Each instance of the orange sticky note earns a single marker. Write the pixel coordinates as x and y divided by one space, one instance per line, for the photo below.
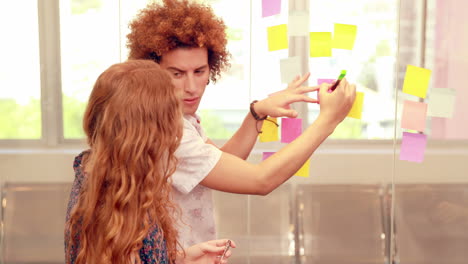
269 131
416 81
277 37
344 36
320 44
304 171
356 109
414 116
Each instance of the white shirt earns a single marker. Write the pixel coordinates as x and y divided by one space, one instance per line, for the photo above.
196 159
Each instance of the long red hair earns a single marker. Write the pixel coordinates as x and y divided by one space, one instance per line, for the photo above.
133 124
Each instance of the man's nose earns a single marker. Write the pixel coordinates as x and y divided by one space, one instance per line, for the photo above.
190 84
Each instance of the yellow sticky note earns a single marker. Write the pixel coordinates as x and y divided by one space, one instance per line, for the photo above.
320 44
277 37
269 131
356 109
416 81
304 170
344 36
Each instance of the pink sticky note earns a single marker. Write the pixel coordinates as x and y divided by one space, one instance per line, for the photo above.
291 128
271 7
414 116
413 147
266 155
330 81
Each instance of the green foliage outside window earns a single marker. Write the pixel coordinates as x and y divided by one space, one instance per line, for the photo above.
348 129
213 125
73 118
20 121
24 122
82 6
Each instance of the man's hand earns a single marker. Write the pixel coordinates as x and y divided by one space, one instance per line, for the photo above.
278 104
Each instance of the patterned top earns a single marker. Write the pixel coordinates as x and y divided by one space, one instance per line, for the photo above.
196 159
153 250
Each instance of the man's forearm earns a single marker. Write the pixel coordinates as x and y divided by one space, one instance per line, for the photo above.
242 142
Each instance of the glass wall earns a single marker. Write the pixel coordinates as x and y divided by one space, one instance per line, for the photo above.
364 202
430 199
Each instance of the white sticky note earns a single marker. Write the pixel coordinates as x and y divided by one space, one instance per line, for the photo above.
298 24
290 68
441 102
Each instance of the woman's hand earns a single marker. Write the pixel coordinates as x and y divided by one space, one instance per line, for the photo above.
278 104
206 253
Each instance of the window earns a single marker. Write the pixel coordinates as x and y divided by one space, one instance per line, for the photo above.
225 104
91 35
370 64
20 93
92 38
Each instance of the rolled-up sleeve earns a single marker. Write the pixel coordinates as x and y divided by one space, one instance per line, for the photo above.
195 159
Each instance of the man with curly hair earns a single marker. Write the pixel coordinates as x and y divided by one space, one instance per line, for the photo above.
189 41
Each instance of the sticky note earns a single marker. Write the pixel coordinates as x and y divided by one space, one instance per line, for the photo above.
413 146
344 36
290 68
266 155
291 128
298 24
277 37
320 44
329 81
356 109
304 170
269 131
414 115
271 7
441 102
416 81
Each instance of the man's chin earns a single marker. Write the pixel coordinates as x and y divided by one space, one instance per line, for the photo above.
189 111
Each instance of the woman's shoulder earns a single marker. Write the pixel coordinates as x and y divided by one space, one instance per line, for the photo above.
77 163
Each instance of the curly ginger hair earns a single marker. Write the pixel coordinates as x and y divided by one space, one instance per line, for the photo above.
131 126
158 29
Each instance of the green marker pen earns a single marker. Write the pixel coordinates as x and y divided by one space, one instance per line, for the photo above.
342 75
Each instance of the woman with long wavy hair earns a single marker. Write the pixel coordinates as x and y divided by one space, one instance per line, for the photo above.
120 209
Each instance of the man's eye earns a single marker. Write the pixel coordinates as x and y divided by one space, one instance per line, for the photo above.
177 74
199 72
